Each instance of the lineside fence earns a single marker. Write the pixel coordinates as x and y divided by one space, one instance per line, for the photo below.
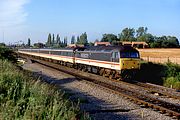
162 59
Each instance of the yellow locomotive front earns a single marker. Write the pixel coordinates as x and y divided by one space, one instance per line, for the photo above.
129 60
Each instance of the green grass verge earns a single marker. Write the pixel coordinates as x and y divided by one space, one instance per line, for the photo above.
163 74
23 98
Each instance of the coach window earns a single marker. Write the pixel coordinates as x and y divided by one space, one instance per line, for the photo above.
68 54
64 53
71 54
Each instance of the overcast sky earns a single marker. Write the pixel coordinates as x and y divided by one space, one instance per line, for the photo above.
23 19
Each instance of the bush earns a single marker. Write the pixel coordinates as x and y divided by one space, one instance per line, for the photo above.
8 54
163 74
172 69
23 98
172 82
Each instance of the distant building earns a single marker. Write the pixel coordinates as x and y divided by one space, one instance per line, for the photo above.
136 44
102 43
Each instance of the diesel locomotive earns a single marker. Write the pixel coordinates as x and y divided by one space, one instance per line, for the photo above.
115 62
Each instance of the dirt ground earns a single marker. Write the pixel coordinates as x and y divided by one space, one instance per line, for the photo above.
161 55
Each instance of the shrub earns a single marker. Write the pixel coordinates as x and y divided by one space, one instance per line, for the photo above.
164 74
7 53
172 82
23 98
172 69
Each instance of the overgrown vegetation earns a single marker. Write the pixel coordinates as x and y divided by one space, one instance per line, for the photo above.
163 74
22 97
6 53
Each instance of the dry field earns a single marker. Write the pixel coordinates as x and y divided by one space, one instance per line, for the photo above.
160 55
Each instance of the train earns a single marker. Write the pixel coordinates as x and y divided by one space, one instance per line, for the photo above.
115 62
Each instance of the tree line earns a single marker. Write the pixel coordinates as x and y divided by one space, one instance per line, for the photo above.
127 34
57 43
52 42
141 35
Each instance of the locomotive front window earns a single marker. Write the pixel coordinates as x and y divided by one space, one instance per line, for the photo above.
129 55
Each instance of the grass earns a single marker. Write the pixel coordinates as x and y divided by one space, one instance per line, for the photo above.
172 78
23 98
167 74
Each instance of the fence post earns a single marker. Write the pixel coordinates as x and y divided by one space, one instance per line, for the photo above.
168 60
160 59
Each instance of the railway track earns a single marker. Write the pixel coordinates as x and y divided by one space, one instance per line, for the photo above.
160 90
141 99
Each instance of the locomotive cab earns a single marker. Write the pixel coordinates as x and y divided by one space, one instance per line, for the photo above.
129 60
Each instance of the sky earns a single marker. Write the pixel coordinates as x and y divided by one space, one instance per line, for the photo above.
34 19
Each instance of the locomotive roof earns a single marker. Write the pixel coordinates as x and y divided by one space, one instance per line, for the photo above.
111 48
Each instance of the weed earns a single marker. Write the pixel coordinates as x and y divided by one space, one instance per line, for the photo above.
24 98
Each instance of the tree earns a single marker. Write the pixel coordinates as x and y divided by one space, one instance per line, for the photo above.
83 39
141 31
29 42
148 38
58 40
91 44
109 38
65 42
165 42
127 34
57 43
73 40
78 40
96 40
173 42
169 42
39 45
49 41
53 40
